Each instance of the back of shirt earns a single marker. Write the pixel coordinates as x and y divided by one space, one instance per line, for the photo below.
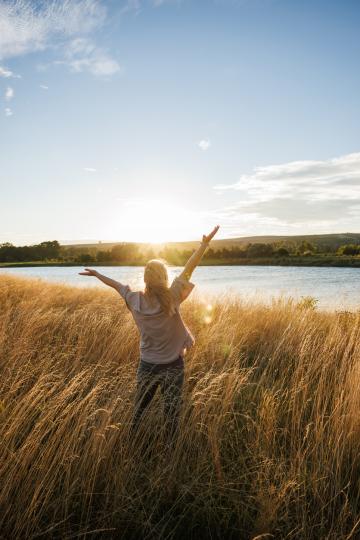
163 337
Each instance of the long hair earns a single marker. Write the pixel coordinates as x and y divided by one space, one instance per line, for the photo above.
156 284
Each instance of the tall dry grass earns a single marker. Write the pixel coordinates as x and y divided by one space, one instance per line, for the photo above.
270 432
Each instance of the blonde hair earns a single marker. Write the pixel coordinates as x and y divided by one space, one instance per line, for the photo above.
156 284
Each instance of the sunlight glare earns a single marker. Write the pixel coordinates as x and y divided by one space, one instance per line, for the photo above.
154 221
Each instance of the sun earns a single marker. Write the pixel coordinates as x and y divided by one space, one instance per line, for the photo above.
155 221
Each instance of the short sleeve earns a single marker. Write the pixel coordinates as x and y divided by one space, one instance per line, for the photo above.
131 297
180 289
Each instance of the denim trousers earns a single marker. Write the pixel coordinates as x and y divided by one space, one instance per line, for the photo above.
169 378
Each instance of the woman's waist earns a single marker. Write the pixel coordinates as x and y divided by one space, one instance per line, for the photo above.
178 362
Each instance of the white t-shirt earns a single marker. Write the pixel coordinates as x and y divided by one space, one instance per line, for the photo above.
162 337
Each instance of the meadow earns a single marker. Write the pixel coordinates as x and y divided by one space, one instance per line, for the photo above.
269 445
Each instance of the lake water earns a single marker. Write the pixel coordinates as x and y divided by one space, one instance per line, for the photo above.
337 288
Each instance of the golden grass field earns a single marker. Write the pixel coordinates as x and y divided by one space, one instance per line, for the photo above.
270 431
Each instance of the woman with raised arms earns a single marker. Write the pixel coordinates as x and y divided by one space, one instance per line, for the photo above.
164 338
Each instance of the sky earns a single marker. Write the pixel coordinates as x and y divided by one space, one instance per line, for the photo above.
154 120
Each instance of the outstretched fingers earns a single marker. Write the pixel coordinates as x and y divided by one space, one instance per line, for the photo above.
212 234
88 272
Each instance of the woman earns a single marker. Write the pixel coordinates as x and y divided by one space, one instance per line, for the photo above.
164 336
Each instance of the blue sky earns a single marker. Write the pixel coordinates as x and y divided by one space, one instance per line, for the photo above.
154 120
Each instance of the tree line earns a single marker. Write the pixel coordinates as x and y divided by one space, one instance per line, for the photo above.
49 250
127 252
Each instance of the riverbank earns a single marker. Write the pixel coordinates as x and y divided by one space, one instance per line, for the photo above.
270 436
316 261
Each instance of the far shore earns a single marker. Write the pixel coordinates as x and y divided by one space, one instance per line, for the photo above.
306 261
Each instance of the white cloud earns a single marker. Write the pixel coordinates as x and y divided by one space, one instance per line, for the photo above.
89 169
204 144
9 93
4 72
81 54
8 111
321 180
298 194
27 26
44 87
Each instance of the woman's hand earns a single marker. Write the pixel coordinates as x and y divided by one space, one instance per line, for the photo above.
89 272
207 238
197 255
108 281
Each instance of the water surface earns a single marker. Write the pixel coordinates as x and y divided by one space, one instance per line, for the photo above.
333 287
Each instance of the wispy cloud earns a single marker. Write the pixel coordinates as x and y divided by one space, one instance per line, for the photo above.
9 93
8 111
27 26
204 144
81 54
44 87
4 72
318 180
297 194
89 169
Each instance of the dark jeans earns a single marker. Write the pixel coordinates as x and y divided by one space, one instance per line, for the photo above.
170 378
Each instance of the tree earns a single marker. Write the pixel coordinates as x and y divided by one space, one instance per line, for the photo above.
103 256
85 258
349 249
305 246
260 250
49 249
7 252
282 252
124 252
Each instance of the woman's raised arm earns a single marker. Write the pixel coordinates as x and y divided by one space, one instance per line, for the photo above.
197 255
108 281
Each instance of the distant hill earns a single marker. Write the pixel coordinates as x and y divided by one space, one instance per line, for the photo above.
332 241
328 241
